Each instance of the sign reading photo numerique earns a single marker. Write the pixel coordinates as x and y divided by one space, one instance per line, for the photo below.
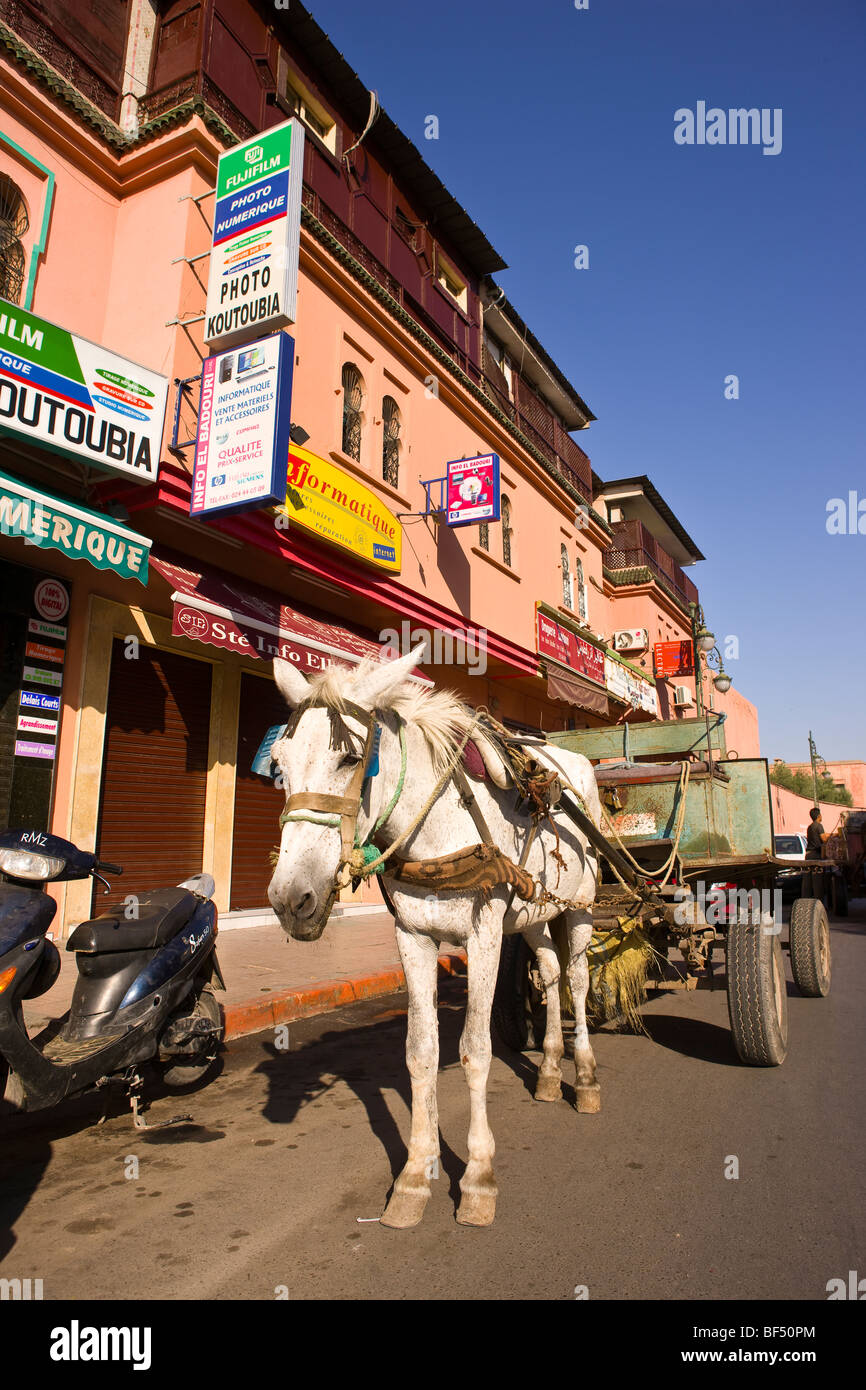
242 444
253 279
473 490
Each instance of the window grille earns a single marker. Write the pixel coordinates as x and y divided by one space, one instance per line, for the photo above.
567 595
582 611
390 441
14 222
484 535
353 401
506 531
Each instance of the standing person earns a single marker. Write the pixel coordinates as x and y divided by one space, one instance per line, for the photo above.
816 836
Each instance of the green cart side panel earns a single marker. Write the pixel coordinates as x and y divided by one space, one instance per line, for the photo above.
750 807
660 738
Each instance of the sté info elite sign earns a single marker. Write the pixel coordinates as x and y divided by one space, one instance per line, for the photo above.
242 443
253 278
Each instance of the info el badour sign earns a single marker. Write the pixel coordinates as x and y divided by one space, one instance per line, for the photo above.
472 490
242 443
253 278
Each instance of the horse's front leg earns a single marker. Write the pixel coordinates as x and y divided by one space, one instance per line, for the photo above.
548 1085
418 955
478 1185
579 925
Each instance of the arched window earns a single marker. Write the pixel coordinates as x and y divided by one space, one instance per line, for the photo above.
353 403
484 534
14 221
506 531
567 594
390 441
582 611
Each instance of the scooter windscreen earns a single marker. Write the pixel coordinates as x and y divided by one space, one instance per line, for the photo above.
37 857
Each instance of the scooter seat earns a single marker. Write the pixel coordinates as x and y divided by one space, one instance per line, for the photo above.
160 917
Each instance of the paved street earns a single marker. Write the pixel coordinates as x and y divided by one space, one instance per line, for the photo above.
287 1150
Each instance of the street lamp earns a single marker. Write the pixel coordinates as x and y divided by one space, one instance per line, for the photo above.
706 650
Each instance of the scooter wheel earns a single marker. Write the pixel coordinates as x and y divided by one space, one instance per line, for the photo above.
185 1069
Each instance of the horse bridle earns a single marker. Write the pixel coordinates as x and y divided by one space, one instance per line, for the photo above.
335 810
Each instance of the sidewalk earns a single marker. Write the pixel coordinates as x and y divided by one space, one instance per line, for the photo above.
271 979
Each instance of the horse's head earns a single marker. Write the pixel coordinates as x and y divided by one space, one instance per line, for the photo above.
322 760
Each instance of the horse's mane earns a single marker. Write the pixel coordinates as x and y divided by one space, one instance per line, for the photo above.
441 715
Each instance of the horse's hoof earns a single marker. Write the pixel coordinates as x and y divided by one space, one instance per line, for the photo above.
548 1088
477 1209
589 1099
405 1209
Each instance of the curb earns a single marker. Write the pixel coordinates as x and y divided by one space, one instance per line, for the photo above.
288 1005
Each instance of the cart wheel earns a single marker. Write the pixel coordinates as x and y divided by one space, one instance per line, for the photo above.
518 1013
809 940
757 1000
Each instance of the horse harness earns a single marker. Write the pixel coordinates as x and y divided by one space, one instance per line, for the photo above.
480 867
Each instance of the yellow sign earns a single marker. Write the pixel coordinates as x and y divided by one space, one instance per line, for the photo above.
327 501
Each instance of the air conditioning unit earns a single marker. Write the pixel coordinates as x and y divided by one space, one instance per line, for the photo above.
631 639
683 696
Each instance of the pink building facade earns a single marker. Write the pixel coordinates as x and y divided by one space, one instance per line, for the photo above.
405 357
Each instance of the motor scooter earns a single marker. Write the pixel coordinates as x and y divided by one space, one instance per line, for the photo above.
144 990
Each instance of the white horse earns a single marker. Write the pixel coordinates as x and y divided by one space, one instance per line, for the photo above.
322 759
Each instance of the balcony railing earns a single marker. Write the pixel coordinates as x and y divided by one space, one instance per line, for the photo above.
532 415
635 548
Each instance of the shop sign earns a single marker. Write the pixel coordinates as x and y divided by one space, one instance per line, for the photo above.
562 645
472 490
25 749
42 677
55 524
323 499
46 629
673 659
253 279
38 651
51 600
32 699
29 724
77 398
628 686
243 428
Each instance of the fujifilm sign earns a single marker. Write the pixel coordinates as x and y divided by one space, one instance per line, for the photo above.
253 281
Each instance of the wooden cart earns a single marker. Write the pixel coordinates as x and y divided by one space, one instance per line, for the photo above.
691 830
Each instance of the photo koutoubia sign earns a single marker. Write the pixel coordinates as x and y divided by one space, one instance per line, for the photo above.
253 278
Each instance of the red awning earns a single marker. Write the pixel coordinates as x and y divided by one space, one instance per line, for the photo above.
230 613
562 685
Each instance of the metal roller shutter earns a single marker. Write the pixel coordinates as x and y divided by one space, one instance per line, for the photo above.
257 803
151 817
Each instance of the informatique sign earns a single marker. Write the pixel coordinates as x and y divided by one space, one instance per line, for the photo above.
472 490
244 417
562 645
329 502
673 659
77 398
253 279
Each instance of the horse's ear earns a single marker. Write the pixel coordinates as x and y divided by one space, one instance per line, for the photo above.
380 683
290 683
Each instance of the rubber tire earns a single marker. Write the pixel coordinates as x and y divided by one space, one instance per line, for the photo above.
184 1073
757 997
517 1016
809 941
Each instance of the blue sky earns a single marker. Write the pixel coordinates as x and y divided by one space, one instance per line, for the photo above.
556 128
